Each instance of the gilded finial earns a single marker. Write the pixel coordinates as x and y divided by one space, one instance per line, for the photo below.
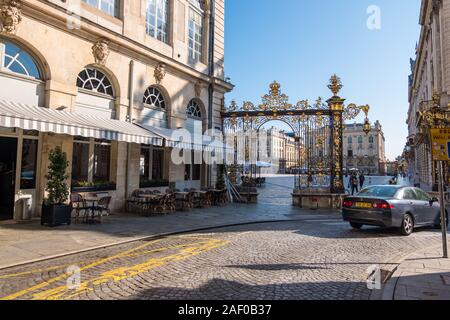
275 89
335 84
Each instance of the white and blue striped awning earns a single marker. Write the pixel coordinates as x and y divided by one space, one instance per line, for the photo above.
18 115
205 143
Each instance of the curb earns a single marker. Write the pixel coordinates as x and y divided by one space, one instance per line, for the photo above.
388 291
150 237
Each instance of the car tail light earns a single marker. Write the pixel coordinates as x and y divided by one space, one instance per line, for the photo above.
347 204
383 205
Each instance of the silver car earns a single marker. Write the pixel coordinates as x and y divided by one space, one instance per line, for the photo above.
392 206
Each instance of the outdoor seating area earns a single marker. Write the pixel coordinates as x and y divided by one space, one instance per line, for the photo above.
90 208
154 202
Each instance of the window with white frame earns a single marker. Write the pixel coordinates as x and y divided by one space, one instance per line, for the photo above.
193 110
154 98
94 80
16 60
195 34
157 18
110 7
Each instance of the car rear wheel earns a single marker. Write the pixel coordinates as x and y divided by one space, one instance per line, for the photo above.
407 227
356 225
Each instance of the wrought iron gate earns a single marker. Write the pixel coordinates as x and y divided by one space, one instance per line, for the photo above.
318 131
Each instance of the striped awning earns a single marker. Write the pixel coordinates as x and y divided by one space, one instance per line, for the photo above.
206 143
18 115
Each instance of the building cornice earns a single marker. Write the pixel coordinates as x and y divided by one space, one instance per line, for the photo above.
50 14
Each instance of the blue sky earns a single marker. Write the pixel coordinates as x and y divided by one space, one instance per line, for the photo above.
301 43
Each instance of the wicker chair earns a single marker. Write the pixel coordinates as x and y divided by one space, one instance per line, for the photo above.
78 204
103 207
135 202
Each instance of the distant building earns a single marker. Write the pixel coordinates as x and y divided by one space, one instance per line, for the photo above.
364 152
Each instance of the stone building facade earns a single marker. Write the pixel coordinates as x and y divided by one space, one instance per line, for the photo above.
430 73
136 70
364 152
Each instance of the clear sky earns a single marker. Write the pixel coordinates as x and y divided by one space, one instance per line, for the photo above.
301 43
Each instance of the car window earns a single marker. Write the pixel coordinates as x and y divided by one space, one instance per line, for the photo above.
422 195
378 191
409 194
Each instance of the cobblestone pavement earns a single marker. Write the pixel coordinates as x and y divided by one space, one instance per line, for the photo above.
315 259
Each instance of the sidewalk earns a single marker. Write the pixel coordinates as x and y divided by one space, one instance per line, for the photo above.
424 275
28 242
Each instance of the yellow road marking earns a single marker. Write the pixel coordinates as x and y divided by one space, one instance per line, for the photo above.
14 275
119 274
91 265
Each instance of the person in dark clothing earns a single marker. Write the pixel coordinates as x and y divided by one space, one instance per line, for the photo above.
362 179
353 183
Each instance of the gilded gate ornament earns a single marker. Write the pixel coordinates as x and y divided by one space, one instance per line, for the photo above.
10 16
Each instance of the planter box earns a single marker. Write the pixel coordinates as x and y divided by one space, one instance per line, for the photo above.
93 189
54 215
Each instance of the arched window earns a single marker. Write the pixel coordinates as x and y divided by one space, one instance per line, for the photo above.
17 60
154 98
94 80
371 139
193 110
350 140
360 139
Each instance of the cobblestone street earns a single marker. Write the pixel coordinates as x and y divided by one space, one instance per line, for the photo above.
313 259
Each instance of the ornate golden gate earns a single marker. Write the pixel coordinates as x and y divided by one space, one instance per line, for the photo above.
318 131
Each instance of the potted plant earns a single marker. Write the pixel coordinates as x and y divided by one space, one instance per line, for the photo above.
55 210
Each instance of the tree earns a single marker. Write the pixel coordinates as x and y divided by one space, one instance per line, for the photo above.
57 188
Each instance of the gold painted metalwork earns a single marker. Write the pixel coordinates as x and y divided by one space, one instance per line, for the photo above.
335 84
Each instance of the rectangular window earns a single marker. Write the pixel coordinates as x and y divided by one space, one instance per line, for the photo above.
157 164
157 19
187 172
144 164
195 35
29 160
102 160
80 162
110 7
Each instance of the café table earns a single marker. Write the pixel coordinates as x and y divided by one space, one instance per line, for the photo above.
91 203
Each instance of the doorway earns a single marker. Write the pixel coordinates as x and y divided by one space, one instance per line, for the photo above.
7 177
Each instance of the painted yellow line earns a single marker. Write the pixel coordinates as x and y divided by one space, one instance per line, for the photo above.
118 274
61 277
19 274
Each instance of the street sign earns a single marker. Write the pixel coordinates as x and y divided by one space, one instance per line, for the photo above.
440 141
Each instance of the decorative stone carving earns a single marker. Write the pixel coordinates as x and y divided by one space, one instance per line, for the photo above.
198 87
10 16
101 51
160 73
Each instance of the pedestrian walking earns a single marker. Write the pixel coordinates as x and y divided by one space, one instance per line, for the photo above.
353 184
362 179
